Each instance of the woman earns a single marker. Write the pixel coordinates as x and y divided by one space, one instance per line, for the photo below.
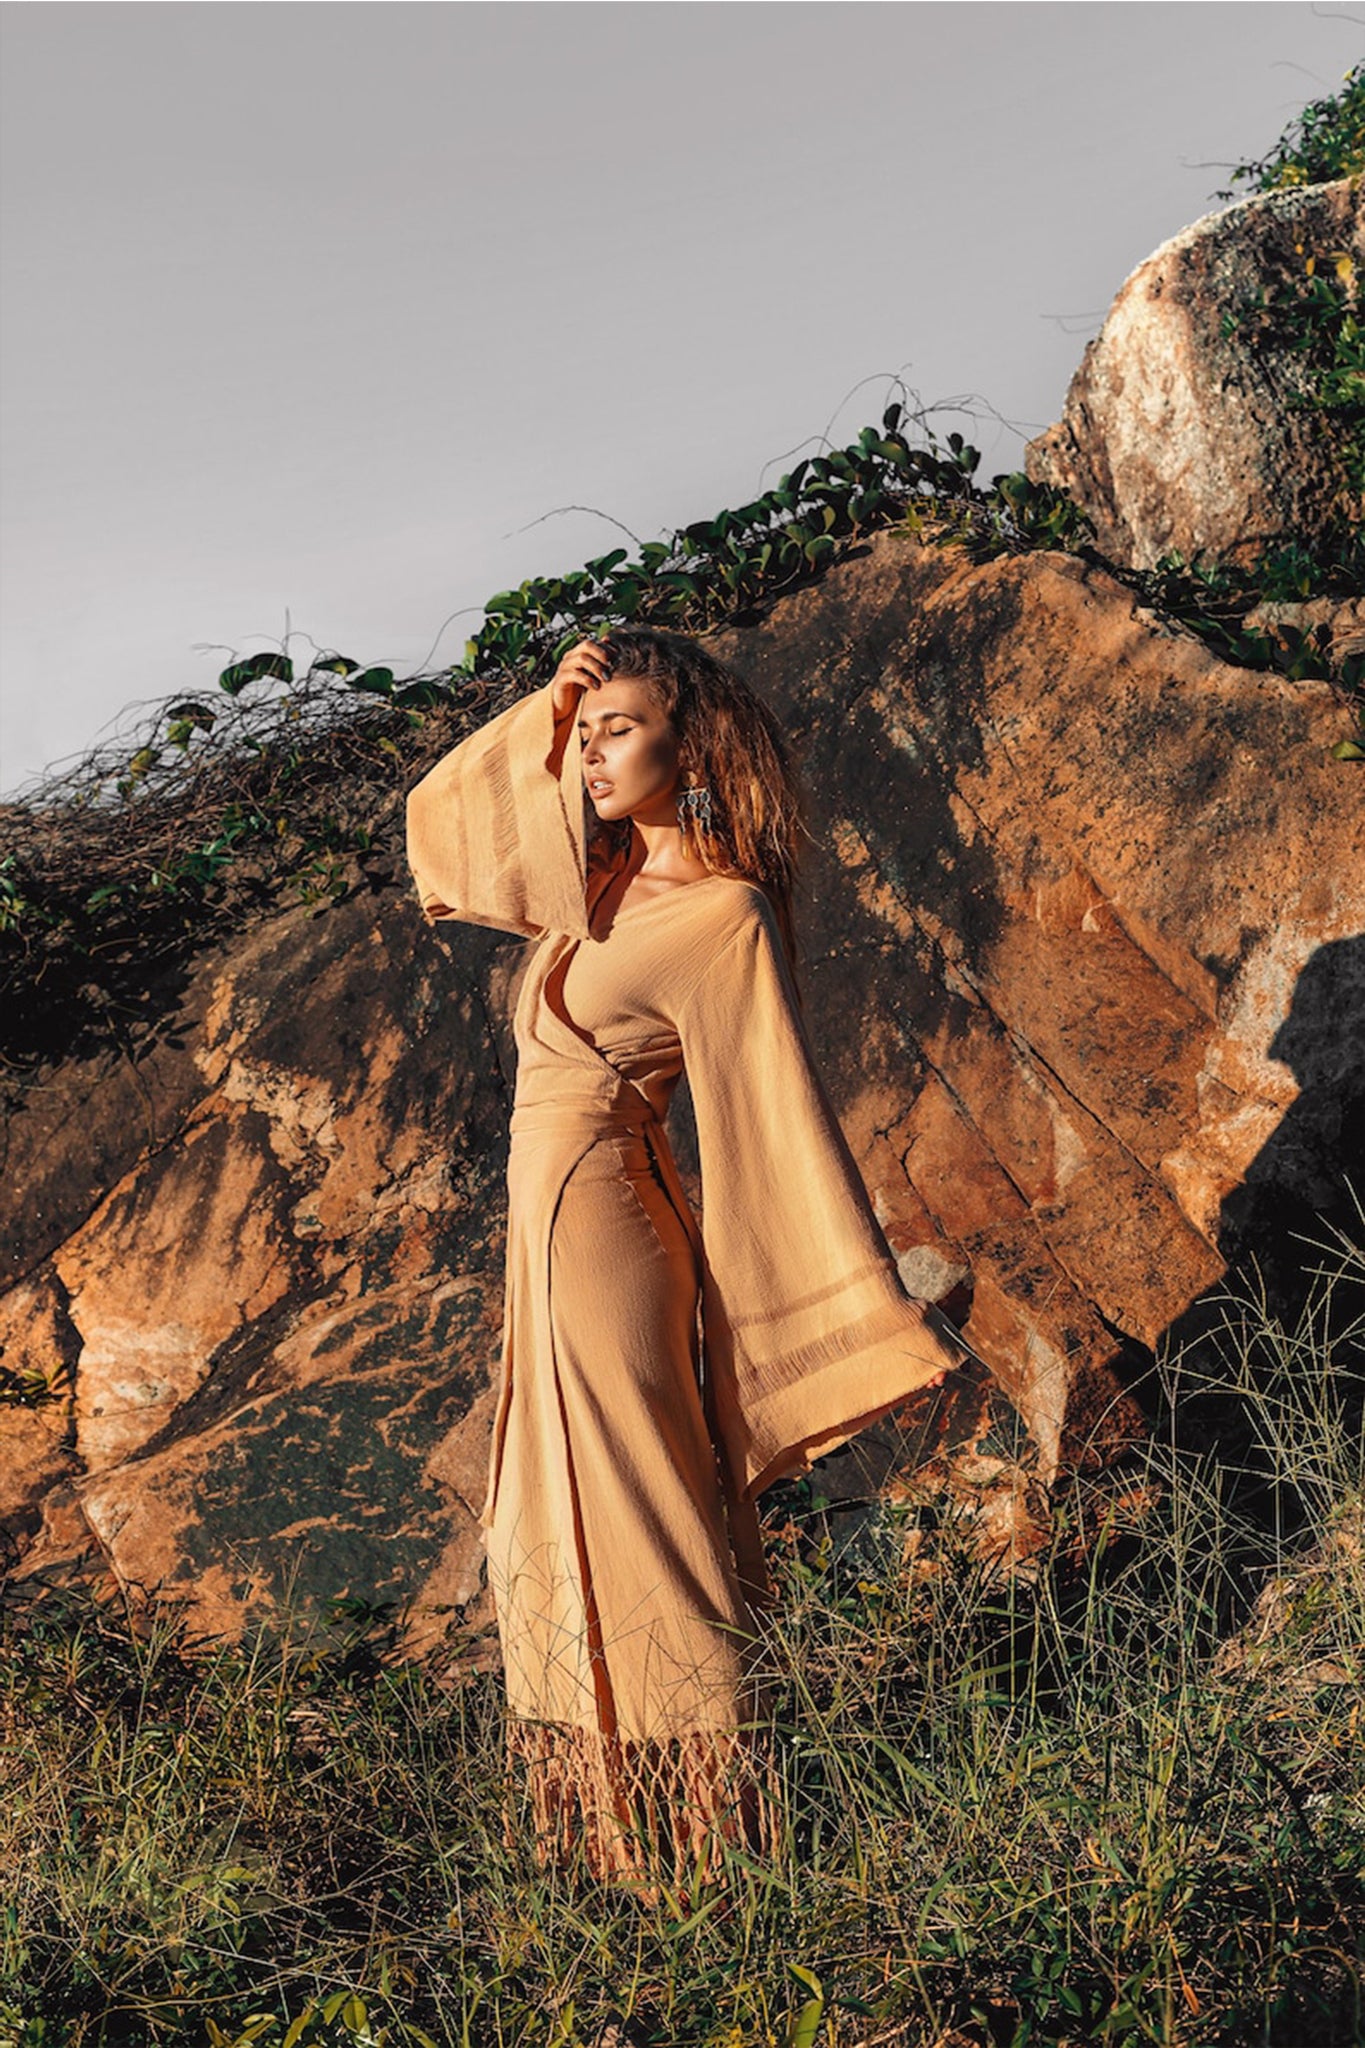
656 1376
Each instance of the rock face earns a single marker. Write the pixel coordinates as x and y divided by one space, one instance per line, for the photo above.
1082 969
276 1297
1179 436
1084 926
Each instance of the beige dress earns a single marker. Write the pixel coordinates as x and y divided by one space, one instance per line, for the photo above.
656 1375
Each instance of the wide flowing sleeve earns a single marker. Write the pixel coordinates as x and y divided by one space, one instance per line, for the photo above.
810 1334
495 831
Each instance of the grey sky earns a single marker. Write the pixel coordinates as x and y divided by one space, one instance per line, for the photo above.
320 308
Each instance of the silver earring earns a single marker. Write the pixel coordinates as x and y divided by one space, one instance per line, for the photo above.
696 800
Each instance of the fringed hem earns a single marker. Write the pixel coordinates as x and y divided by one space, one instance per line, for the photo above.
644 1813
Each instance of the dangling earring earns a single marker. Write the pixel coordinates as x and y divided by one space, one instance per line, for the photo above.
695 800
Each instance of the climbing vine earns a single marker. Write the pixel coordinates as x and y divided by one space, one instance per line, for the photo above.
281 782
283 779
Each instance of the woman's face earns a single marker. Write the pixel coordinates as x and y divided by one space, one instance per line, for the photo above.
630 752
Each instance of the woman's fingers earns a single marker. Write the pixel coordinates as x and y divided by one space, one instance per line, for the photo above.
595 660
586 666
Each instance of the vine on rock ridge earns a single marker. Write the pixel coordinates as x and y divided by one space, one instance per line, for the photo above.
121 867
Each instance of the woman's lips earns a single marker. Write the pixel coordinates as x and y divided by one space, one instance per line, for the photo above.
596 787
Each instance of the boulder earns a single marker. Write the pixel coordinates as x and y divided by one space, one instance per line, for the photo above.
1184 428
1082 967
269 1305
1083 925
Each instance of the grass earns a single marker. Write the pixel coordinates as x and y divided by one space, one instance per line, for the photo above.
1120 1801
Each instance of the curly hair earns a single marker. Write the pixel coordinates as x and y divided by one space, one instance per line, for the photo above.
731 743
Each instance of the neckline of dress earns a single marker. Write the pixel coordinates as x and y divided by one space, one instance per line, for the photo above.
652 902
679 888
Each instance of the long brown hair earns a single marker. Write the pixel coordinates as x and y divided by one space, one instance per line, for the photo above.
730 743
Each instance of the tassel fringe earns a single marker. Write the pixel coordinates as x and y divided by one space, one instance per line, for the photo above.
644 1813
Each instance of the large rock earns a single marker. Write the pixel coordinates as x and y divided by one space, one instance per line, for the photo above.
273 1296
1079 968
1085 923
1180 436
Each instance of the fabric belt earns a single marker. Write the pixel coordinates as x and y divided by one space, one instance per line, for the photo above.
564 1119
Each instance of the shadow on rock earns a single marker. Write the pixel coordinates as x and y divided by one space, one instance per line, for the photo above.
1260 1365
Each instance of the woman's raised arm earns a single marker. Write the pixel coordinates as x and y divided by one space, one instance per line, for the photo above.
495 830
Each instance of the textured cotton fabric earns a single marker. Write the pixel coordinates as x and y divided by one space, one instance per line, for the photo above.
656 1375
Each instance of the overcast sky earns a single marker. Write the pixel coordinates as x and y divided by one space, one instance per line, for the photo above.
324 310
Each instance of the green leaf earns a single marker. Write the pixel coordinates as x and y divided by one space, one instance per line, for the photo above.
379 681
806 2023
194 712
336 665
1348 750
419 695
254 670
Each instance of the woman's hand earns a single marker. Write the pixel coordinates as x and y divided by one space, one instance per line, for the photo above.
586 666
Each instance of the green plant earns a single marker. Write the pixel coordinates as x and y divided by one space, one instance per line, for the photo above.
289 784
1121 1802
33 1388
340 2020
1325 141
